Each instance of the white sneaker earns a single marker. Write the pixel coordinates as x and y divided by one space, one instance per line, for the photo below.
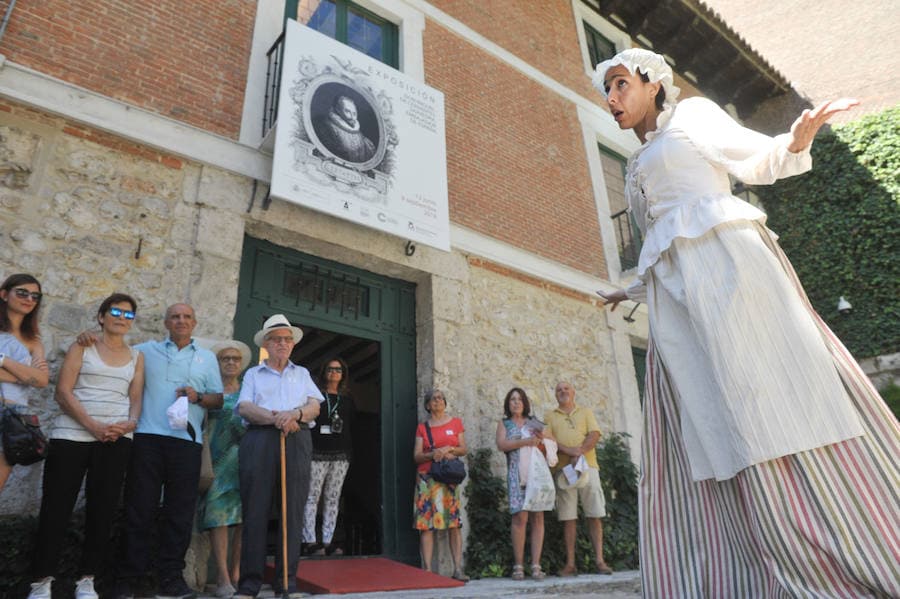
84 588
41 589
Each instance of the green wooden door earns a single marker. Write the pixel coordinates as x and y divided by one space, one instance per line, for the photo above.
342 305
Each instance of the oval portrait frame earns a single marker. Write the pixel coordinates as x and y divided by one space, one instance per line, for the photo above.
309 96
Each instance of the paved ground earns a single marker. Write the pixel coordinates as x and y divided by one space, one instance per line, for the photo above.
621 585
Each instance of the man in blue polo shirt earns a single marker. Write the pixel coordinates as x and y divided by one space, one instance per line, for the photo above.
165 460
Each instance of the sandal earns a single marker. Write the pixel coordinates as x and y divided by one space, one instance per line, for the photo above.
518 572
333 549
458 575
602 568
537 573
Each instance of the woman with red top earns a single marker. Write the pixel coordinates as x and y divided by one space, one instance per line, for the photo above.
437 503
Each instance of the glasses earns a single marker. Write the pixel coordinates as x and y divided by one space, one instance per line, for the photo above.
22 293
230 359
284 340
334 369
119 312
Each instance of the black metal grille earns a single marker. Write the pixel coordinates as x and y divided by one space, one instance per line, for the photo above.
627 239
320 289
274 60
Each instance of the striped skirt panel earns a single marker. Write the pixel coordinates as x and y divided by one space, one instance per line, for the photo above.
819 523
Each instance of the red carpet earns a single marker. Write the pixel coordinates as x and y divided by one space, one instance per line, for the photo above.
365 575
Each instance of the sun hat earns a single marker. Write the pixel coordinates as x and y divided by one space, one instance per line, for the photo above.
276 321
242 347
651 64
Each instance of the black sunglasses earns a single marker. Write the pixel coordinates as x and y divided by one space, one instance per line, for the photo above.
22 293
117 312
333 369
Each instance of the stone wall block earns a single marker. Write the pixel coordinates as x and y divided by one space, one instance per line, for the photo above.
181 235
226 191
72 318
29 240
55 228
451 300
214 296
111 209
80 162
155 206
18 151
12 202
220 233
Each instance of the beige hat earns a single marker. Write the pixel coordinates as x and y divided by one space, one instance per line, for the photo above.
276 321
242 347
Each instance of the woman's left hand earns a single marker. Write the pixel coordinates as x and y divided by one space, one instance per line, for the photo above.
809 122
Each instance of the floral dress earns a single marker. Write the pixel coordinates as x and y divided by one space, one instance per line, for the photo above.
436 504
222 504
515 491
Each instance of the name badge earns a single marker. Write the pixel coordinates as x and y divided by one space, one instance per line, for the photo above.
325 429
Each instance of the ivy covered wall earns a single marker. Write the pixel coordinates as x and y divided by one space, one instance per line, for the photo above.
840 226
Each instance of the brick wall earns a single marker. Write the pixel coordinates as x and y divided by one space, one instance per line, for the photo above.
183 59
542 34
516 159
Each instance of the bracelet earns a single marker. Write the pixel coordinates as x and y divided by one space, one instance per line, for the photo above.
300 419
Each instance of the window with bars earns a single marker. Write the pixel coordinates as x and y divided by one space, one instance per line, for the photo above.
353 25
599 46
321 289
628 238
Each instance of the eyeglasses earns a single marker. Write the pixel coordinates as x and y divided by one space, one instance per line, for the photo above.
230 359
22 293
334 369
118 312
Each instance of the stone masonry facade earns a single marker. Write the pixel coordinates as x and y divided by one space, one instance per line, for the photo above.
90 217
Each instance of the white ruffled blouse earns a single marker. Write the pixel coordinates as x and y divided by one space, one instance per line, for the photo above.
699 144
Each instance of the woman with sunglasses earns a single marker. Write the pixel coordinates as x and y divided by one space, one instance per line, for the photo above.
22 362
99 391
332 448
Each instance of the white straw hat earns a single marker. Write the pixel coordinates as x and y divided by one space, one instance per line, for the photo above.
276 321
242 347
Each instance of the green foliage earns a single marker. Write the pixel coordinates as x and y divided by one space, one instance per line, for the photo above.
489 550
488 553
839 226
891 395
18 535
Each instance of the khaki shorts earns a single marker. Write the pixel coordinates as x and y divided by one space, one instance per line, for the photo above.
587 490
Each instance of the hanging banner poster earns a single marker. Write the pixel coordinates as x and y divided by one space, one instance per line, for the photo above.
359 140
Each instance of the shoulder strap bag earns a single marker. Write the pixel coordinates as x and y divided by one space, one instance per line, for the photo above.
449 472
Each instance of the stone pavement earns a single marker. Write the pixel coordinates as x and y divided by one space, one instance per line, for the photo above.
621 585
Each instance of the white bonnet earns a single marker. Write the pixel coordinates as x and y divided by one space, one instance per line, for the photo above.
649 63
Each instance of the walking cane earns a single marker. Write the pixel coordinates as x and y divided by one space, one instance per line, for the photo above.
284 551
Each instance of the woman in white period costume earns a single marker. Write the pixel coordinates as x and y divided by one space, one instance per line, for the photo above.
769 461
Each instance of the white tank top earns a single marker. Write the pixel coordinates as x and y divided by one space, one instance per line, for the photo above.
102 391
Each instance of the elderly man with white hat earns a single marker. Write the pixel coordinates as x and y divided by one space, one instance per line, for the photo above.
277 398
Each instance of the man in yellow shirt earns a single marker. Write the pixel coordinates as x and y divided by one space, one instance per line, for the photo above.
576 431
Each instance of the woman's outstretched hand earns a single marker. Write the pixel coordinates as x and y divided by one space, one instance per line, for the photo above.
809 122
613 298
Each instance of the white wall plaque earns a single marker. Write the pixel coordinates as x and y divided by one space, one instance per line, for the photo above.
359 140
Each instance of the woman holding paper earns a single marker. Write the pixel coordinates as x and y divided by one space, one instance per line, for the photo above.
516 431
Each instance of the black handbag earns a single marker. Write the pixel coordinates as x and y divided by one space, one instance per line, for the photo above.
449 472
23 441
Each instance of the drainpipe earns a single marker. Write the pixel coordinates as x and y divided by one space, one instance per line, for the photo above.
9 9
